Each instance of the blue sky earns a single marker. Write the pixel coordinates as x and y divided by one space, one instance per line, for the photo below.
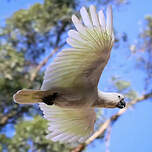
132 132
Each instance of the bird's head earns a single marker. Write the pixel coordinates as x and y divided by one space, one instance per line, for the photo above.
111 100
119 100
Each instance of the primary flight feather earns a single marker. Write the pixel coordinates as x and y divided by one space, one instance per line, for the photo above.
69 91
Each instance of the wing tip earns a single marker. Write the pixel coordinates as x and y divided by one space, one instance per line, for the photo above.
109 19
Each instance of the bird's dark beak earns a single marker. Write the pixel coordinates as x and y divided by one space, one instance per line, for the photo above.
121 104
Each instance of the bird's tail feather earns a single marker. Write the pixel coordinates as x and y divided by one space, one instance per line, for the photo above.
27 96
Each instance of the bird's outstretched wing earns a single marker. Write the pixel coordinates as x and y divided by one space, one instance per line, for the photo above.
68 125
83 63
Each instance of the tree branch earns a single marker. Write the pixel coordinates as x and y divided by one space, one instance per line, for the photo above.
109 122
33 75
13 114
45 60
107 138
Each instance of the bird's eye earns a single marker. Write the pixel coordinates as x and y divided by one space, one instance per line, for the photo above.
118 96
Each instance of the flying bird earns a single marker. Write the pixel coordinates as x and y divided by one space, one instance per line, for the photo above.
69 93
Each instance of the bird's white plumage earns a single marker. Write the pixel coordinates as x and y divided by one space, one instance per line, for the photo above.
78 67
94 16
70 82
91 46
85 17
77 23
102 20
109 25
68 125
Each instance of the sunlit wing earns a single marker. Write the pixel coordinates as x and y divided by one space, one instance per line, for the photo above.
69 125
83 63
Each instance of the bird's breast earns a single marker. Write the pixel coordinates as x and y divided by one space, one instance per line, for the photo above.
76 100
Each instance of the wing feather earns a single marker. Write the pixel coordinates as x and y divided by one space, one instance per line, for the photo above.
86 18
102 20
68 125
94 16
91 44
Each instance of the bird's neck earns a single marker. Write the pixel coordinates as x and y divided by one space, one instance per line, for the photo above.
104 100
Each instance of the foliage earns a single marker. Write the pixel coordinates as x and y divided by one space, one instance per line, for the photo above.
30 135
143 50
39 28
124 87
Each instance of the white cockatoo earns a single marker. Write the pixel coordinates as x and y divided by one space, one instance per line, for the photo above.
69 92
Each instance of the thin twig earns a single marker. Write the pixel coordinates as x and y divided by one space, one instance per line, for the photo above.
109 122
107 138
